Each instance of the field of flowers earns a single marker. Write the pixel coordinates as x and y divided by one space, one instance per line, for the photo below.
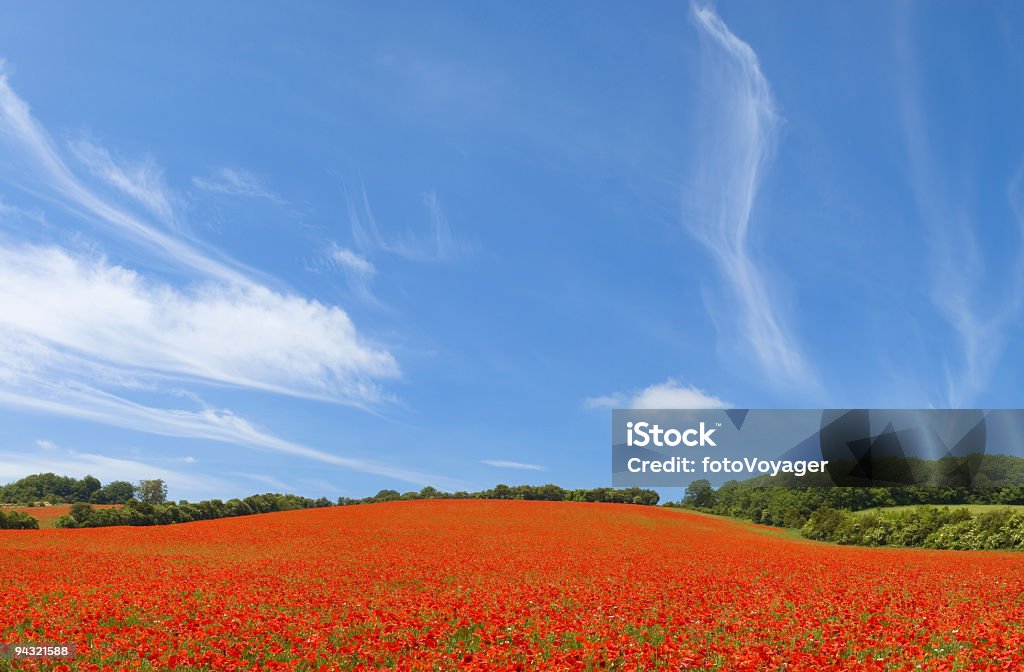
47 515
501 585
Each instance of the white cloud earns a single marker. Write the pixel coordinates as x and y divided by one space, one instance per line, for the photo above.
74 327
736 142
235 182
349 260
142 181
225 329
270 481
976 302
505 464
33 155
358 270
669 394
438 244
247 336
320 486
16 214
445 246
79 400
46 444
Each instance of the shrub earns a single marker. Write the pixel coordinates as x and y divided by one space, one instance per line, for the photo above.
823 523
17 520
956 536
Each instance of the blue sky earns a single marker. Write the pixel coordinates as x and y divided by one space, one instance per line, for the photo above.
331 248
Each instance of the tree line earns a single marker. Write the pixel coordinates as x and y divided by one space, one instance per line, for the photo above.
827 512
146 503
50 488
547 493
142 513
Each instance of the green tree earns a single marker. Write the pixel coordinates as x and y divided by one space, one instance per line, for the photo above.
236 507
115 492
81 512
152 491
85 488
699 494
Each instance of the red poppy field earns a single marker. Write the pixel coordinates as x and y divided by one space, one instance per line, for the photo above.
489 585
48 515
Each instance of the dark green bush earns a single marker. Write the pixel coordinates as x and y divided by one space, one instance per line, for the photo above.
17 520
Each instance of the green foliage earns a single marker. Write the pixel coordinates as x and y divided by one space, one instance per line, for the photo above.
152 491
956 536
824 512
115 492
141 513
17 520
49 488
823 524
789 501
151 507
80 512
927 526
700 495
547 493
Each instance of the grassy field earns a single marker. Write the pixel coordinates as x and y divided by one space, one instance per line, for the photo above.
973 508
788 532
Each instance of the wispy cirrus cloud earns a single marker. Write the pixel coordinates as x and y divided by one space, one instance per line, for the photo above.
46 382
977 301
357 269
81 336
12 214
142 181
506 464
437 243
349 261
737 138
670 394
40 170
270 481
237 182
445 246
